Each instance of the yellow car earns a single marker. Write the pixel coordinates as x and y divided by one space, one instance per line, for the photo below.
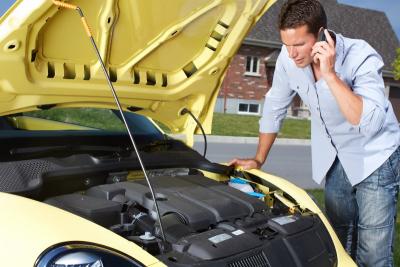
86 176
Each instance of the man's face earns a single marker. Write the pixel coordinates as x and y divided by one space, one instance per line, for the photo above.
299 42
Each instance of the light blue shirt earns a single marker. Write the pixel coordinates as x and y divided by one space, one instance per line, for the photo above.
360 148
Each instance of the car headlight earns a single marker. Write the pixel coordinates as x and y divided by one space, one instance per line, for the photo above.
83 255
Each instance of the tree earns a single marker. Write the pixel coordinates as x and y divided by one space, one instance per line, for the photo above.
396 65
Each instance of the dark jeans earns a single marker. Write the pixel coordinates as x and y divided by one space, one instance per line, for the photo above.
364 215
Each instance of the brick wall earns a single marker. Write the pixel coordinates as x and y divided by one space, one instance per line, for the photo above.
239 85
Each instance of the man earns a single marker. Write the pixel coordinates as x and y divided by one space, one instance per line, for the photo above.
355 134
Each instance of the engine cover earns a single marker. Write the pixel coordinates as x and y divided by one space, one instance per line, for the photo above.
206 223
201 202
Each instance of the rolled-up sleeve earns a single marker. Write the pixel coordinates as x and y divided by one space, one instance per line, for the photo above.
368 83
277 100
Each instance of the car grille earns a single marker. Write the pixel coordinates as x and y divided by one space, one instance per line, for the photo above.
257 260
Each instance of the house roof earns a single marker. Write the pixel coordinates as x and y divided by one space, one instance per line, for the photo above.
272 58
353 22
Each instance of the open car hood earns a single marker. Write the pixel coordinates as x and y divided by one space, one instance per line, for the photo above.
162 56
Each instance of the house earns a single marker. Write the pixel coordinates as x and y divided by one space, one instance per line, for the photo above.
250 74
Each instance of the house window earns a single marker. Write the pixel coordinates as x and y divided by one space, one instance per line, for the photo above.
252 66
245 108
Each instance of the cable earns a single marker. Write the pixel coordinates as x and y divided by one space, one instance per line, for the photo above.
88 31
183 112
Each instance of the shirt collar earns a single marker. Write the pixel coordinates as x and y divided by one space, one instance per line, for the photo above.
339 53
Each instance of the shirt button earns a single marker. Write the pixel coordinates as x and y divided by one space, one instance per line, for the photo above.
318 108
329 137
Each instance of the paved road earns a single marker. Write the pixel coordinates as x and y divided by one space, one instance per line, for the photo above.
292 162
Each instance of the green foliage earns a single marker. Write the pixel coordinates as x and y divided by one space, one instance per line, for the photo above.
89 117
396 65
235 125
245 125
223 124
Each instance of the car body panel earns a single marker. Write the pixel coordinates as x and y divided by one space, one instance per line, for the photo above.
161 56
37 231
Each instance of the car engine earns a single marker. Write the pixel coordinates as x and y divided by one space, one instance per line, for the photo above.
205 222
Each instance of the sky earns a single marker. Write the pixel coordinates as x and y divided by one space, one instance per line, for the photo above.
390 7
4 5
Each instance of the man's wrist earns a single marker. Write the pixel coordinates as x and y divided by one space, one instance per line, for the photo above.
330 77
258 162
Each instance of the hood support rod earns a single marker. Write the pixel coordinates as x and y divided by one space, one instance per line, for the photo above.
89 33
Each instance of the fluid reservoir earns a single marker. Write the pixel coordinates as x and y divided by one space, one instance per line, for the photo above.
240 185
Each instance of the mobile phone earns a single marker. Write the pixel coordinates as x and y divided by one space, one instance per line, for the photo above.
321 36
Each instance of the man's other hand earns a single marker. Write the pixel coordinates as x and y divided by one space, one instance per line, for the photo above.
264 145
246 164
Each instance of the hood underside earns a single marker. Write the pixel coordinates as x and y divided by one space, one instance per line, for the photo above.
162 56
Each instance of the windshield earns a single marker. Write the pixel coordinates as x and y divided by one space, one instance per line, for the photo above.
80 119
87 118
73 130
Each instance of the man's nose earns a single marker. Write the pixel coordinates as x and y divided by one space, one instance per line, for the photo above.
292 51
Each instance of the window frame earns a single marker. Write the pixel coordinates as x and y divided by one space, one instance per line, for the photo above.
252 72
248 112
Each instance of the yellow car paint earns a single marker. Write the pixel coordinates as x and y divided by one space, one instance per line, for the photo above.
162 56
36 231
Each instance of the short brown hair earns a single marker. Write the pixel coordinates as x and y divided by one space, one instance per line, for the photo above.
296 13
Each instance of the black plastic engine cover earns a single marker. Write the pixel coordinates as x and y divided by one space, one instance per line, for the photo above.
100 211
200 201
303 242
218 243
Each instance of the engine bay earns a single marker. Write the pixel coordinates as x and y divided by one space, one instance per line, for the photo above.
211 215
206 222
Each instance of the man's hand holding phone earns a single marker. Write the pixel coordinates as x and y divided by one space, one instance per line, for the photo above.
324 54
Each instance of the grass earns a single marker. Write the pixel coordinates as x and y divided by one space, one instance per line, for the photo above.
89 117
318 194
319 197
235 125
244 125
223 124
